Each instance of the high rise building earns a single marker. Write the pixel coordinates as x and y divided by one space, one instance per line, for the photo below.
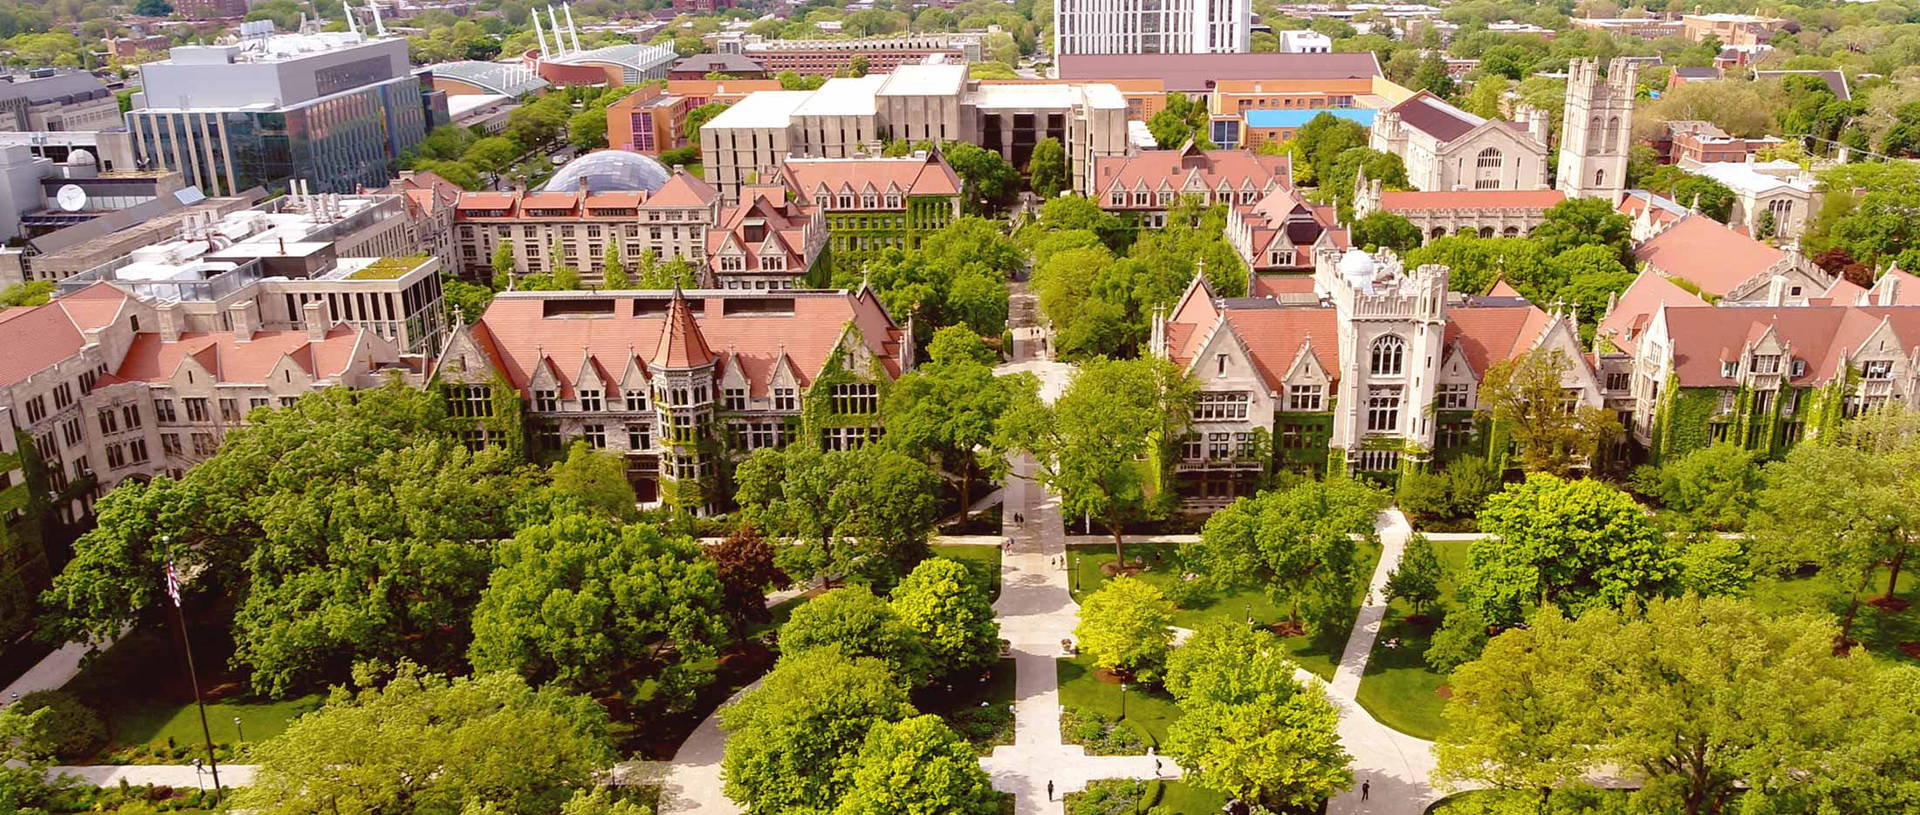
1151 26
337 109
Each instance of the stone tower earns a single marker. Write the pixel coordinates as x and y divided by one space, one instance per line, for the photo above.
1598 129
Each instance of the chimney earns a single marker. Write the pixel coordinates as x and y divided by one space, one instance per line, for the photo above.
314 314
244 321
1777 291
172 322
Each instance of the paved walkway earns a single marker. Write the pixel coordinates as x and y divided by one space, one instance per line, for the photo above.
53 671
182 776
1396 765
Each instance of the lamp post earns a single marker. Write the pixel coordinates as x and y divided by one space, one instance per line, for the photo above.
1123 700
1249 615
238 729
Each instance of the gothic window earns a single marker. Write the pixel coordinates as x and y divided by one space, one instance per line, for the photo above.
1613 133
1489 159
1383 410
1599 178
1388 356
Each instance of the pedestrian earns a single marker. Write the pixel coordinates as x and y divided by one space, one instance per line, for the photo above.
1049 790
1365 787
1156 767
1017 519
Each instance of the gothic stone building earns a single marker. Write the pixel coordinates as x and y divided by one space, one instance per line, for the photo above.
1376 374
682 384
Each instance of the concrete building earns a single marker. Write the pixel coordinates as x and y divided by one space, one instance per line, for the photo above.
337 109
1200 73
1151 26
1598 130
682 384
649 120
1646 28
1374 370
855 116
1733 30
1446 148
1303 41
699 66
1771 199
1261 125
44 100
834 57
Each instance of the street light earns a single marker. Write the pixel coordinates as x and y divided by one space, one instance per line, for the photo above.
238 729
1123 700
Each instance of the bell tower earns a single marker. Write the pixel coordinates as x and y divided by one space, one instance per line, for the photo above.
1597 131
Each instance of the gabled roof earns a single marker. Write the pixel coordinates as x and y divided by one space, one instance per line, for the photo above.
1707 254
222 354
1432 115
1490 333
1823 336
927 174
1634 309
35 339
1193 167
518 332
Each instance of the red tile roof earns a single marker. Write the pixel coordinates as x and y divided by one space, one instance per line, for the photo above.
1277 285
682 190
1708 254
1470 199
517 333
926 175
1823 336
149 359
681 343
95 306
1189 167
35 338
1627 321
1490 333
1276 335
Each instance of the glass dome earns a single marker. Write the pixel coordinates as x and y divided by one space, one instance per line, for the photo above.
610 171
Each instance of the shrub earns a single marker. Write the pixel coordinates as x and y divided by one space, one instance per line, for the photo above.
1470 481
1459 641
1101 735
73 730
1423 496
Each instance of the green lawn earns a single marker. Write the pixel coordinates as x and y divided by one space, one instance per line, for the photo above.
1398 688
983 560
1148 711
1880 632
1316 652
1114 795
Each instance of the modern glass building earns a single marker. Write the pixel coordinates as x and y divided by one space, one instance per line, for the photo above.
336 110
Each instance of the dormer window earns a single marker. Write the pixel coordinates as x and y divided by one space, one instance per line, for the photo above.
546 401
1729 368
1140 198
893 200
844 200
1799 368
1119 198
869 200
1766 363
734 398
1878 369
590 401
636 400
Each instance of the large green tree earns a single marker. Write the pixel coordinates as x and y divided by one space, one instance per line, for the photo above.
1127 627
918 766
866 512
1247 726
1047 169
794 743
419 742
947 608
1094 445
1704 697
1528 398
1298 543
599 607
854 622
944 411
1572 544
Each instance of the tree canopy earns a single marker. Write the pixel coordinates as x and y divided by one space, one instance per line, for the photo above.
795 743
1298 543
1572 544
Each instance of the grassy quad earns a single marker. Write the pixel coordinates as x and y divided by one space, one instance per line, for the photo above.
1402 692
1398 688
1162 796
1316 652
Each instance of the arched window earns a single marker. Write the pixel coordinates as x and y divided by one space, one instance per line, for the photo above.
1486 232
1489 159
1613 133
1389 354
1439 231
1593 132
1510 232
1599 178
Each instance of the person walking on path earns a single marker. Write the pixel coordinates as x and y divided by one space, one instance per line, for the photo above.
1049 790
1365 787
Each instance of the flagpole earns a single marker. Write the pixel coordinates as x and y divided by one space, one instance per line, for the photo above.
193 676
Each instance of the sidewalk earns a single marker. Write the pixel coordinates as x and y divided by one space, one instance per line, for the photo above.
171 775
54 671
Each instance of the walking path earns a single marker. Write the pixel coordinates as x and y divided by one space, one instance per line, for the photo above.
53 671
170 775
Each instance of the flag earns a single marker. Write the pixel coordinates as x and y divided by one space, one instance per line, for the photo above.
173 584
